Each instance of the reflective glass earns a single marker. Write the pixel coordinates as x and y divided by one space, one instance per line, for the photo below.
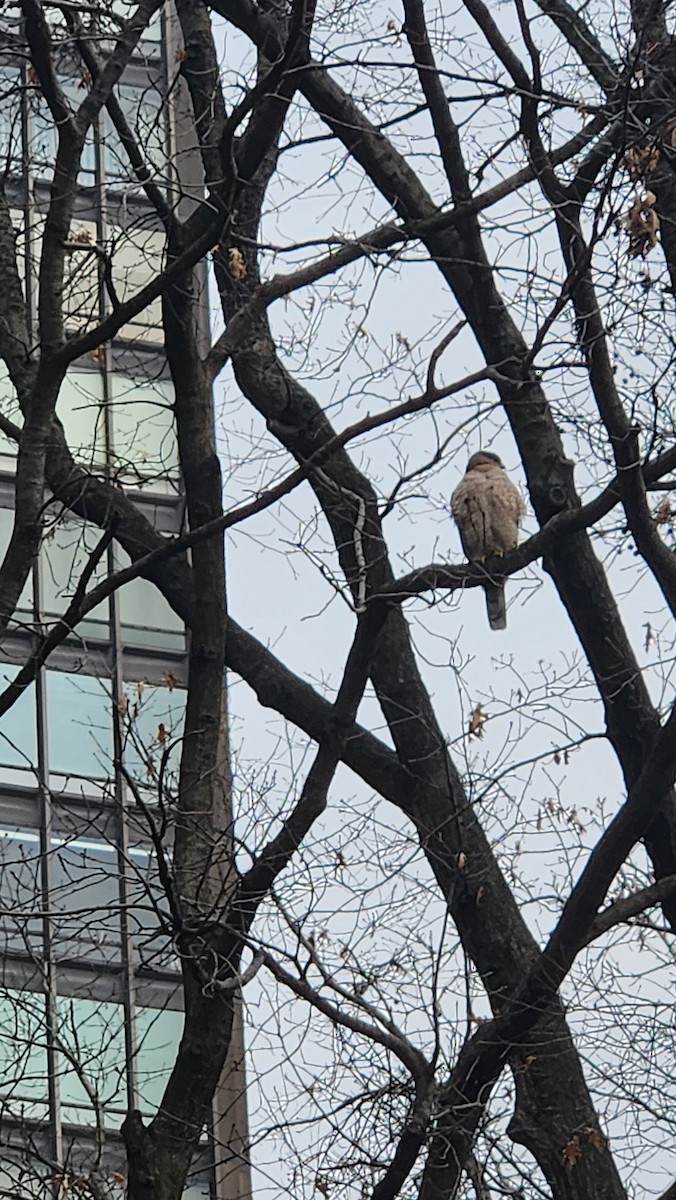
42 137
79 725
137 257
9 407
144 433
20 891
146 617
18 738
85 898
90 1036
81 412
144 111
23 1055
148 912
10 120
81 280
152 726
24 1180
24 608
158 1033
66 548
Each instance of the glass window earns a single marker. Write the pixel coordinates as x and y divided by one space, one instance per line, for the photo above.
10 120
137 258
158 1033
90 1037
9 406
20 890
85 898
152 726
144 109
146 617
149 912
144 435
122 10
23 1056
81 282
81 412
42 139
79 725
18 735
24 609
24 1180
81 273
66 548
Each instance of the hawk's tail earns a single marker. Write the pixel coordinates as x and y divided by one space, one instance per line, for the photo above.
496 605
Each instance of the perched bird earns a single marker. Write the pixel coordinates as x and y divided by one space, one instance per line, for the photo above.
488 509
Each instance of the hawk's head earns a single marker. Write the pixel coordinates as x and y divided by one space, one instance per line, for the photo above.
483 458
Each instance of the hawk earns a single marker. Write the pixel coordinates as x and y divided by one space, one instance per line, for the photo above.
488 509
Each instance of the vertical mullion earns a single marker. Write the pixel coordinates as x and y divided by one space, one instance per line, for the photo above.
50 981
121 804
50 984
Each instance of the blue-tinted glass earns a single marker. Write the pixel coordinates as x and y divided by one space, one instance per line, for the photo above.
10 120
144 433
158 1033
146 617
25 1179
85 899
66 549
20 890
90 1034
23 1055
152 726
9 405
79 725
17 728
43 135
149 912
24 609
143 109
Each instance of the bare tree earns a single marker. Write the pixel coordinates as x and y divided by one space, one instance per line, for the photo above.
456 913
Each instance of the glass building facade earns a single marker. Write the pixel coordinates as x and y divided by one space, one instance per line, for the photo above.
90 1000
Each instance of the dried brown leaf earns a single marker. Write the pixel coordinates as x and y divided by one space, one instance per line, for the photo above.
477 722
571 1152
663 513
236 263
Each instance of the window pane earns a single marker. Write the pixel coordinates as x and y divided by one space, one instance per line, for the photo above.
24 609
18 741
42 140
66 549
10 120
80 725
152 726
144 109
143 429
9 406
158 1033
149 912
146 617
90 1034
81 281
124 9
24 1180
137 258
23 1056
20 891
81 412
85 899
